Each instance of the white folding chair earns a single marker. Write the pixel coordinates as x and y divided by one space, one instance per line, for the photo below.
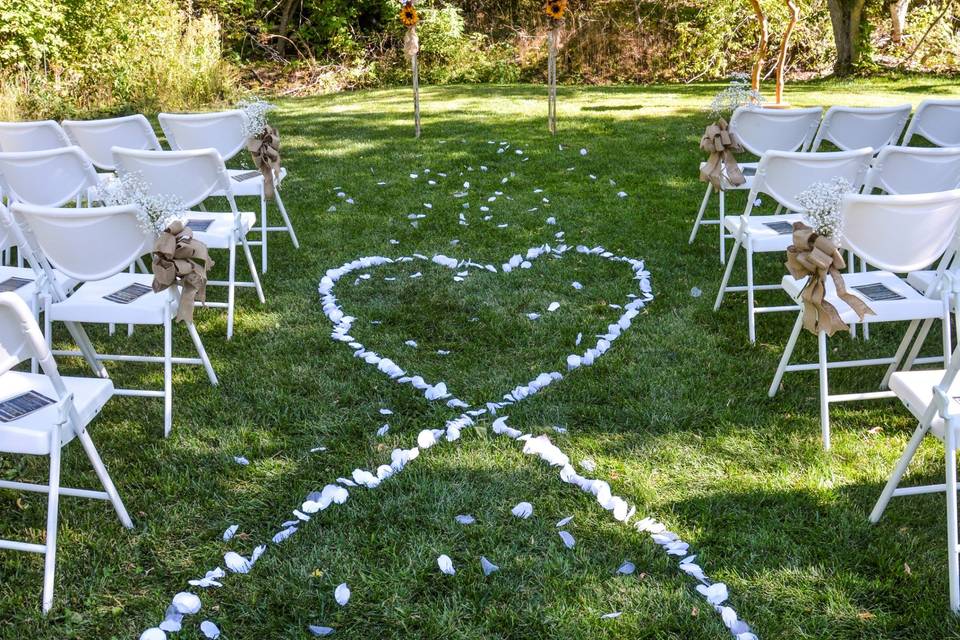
858 127
895 234
193 176
936 120
782 175
40 414
931 396
98 137
904 170
223 131
37 135
759 130
49 178
94 246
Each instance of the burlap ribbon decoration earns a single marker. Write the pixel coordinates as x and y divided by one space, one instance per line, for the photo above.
179 258
411 42
816 256
721 144
265 150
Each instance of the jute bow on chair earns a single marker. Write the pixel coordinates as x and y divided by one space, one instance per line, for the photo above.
817 256
721 144
265 150
178 256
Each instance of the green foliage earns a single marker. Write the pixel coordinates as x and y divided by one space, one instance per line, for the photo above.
106 56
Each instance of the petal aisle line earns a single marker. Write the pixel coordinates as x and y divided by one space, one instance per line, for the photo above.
715 593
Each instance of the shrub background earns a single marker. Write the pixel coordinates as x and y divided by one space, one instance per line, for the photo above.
87 57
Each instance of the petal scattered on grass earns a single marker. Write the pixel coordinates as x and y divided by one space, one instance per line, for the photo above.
342 594
522 510
446 565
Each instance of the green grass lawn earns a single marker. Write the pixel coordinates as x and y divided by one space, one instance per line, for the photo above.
675 415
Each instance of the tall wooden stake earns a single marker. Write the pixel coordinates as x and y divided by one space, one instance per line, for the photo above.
552 82
416 96
782 55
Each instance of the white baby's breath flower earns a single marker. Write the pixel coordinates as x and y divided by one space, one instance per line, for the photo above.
821 206
156 212
255 115
737 94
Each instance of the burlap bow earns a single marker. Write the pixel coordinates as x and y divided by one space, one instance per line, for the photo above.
721 144
180 258
411 42
816 256
265 150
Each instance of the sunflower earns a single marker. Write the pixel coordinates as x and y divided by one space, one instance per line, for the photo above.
555 8
408 15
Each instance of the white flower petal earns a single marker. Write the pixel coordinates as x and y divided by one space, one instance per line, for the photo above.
626 568
522 510
320 631
568 539
342 594
564 521
153 634
446 565
230 532
210 630
186 603
465 519
487 566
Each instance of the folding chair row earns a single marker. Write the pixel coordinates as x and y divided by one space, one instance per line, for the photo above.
761 130
55 177
223 131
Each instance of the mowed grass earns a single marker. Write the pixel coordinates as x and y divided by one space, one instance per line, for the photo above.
675 414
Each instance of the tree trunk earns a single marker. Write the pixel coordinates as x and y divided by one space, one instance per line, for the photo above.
284 26
845 16
898 18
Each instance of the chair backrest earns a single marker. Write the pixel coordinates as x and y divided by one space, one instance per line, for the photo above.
936 120
32 136
760 130
220 130
98 137
7 237
87 243
20 339
901 233
48 178
857 127
902 170
783 175
189 175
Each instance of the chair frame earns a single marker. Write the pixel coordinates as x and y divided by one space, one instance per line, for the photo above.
67 418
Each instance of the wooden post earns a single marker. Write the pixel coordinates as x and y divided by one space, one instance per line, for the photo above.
782 56
552 81
757 71
416 96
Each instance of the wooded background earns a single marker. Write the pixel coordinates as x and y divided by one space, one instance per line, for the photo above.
75 57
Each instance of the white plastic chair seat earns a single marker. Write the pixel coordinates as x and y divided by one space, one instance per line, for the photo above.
30 434
27 291
87 304
914 306
749 170
763 237
250 186
217 235
915 390
920 280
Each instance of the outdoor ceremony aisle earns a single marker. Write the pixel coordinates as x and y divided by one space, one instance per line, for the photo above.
488 398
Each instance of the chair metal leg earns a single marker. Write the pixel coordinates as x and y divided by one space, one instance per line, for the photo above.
824 390
897 474
898 356
785 358
726 274
263 228
286 218
751 314
94 456
167 375
953 562
198 344
53 506
917 344
703 208
253 270
723 215
231 287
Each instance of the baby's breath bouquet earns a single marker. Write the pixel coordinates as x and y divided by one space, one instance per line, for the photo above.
737 94
255 112
821 206
156 212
